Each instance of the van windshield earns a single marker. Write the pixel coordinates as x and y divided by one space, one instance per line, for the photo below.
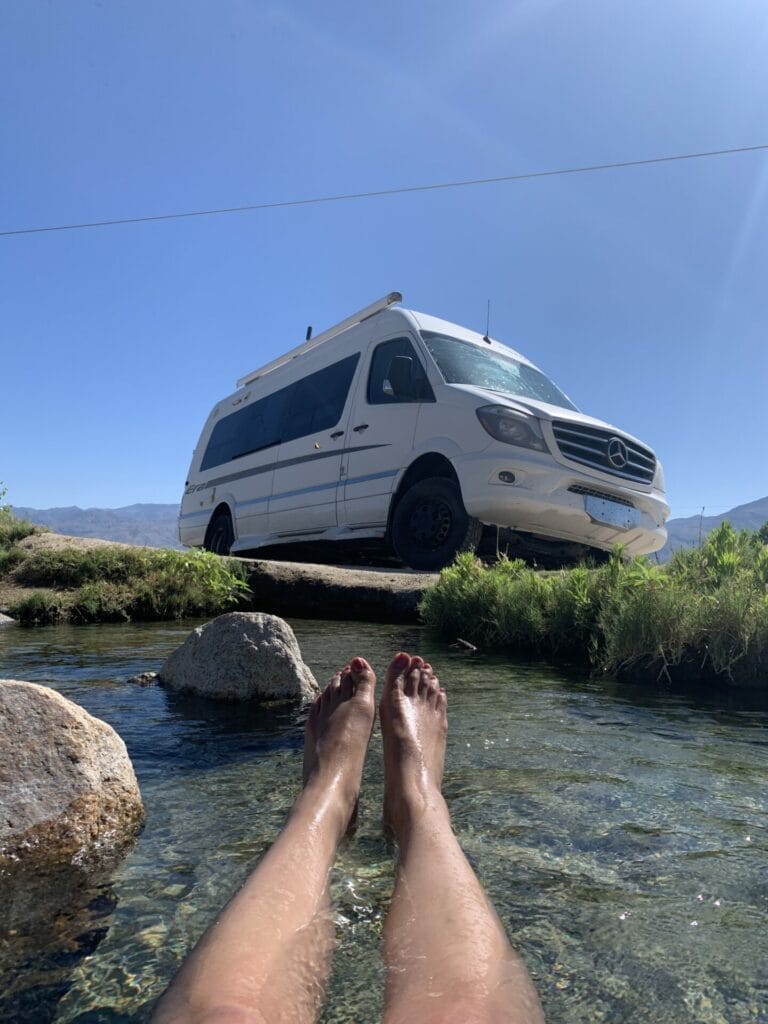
463 363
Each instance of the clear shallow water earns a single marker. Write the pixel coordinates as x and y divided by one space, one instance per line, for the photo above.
622 834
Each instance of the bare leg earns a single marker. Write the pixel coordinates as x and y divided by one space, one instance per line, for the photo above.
448 959
266 959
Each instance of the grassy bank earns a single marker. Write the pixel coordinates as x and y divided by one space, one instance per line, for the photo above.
113 583
701 618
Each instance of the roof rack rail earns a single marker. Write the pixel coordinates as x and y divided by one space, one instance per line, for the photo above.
307 346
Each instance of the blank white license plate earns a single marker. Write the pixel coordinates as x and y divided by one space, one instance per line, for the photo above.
611 512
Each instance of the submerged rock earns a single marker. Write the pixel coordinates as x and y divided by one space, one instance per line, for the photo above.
240 656
144 679
68 793
51 921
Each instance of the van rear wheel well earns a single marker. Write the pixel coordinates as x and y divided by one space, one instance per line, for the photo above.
221 531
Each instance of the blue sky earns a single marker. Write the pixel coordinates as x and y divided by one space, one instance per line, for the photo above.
643 292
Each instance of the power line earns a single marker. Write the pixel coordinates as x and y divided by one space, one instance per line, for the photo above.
316 200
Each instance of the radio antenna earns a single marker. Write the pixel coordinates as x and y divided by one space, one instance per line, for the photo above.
487 323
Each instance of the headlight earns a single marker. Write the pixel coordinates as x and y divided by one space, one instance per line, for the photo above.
512 427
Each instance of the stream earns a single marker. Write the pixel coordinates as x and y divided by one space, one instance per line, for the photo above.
621 832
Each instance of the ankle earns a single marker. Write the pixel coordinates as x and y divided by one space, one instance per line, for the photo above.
417 808
329 796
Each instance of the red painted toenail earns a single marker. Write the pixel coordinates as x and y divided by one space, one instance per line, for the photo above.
358 664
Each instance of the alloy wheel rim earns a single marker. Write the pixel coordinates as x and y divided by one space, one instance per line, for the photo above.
430 523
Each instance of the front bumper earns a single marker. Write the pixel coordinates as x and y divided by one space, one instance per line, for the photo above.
540 500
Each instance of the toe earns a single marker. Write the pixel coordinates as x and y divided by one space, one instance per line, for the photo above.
424 680
412 677
363 676
331 689
394 678
346 685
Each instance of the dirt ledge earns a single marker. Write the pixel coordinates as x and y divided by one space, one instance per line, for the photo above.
336 592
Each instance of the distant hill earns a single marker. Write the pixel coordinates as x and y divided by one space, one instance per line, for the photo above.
152 525
684 533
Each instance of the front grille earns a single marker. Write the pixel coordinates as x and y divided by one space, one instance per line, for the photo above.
588 446
591 492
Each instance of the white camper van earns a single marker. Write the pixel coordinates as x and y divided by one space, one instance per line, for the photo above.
394 424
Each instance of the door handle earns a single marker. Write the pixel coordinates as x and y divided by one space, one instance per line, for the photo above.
336 433
360 427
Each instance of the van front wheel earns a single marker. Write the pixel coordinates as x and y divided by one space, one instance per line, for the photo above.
430 525
220 534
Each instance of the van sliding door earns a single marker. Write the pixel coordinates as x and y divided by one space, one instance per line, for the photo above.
307 471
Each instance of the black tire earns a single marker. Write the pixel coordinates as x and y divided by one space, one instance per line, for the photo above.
220 535
430 525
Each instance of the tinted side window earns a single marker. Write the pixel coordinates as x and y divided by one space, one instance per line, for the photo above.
317 401
248 430
379 391
314 403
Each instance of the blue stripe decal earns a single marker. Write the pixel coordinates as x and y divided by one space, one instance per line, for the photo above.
372 476
303 490
290 494
267 467
320 487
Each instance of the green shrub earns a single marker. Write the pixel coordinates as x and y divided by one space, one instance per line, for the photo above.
10 558
72 567
162 583
648 628
12 530
100 601
733 629
702 617
113 584
194 583
38 609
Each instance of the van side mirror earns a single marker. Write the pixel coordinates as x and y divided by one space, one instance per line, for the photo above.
400 378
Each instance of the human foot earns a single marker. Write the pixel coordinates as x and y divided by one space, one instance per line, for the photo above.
337 733
414 724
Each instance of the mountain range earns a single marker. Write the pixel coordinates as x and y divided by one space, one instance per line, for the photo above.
685 533
152 525
155 525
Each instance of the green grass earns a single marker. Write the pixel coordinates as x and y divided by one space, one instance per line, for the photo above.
12 530
121 585
115 584
39 609
701 618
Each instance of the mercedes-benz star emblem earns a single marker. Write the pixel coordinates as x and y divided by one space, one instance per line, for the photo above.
617 453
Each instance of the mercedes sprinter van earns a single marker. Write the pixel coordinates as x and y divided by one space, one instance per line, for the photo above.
394 424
